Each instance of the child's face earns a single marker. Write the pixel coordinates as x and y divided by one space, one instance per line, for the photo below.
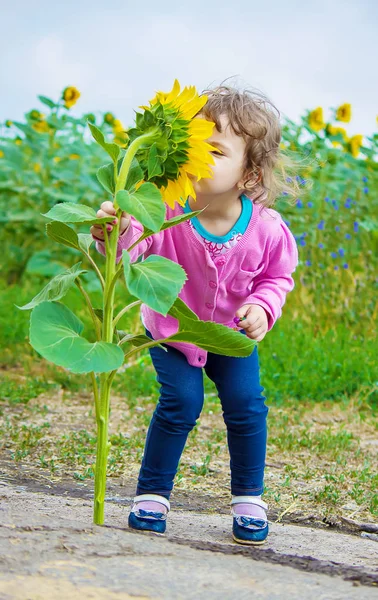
229 162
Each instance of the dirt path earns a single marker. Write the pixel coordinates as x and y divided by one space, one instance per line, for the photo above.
50 549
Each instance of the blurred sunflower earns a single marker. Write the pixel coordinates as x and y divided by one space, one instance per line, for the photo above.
316 119
109 118
344 113
332 131
121 138
1 154
8 123
41 126
355 143
180 151
70 96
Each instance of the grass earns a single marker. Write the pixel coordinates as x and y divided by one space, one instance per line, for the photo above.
321 457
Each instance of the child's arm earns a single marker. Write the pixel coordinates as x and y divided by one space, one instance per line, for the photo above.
272 285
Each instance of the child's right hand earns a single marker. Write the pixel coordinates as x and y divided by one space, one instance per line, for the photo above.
107 209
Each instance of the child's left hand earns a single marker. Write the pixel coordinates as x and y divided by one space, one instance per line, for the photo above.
255 322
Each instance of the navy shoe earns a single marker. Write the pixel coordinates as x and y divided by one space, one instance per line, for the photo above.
148 520
246 529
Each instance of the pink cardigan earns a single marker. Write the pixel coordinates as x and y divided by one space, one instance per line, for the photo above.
255 271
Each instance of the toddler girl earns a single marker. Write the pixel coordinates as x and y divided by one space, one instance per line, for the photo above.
239 257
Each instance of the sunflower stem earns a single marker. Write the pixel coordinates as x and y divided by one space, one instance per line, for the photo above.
127 160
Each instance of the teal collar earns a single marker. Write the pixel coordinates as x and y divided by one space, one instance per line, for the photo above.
239 227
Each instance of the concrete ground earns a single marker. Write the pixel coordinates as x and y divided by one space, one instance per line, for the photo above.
49 549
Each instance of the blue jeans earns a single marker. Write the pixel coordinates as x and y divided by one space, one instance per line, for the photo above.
181 400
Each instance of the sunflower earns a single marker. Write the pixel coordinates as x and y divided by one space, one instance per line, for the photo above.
180 152
70 96
355 143
344 113
316 119
41 126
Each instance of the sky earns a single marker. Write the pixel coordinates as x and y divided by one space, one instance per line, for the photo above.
118 53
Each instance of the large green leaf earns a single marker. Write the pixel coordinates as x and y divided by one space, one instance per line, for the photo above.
55 334
70 212
170 223
56 288
112 149
207 335
85 241
154 162
156 281
145 205
61 233
105 175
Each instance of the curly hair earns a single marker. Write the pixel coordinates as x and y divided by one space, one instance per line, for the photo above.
254 117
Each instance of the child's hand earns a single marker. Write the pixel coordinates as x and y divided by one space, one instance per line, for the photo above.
254 321
107 209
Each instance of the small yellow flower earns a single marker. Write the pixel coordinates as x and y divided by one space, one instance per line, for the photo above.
1 154
41 126
37 167
18 141
109 118
57 159
344 113
316 119
355 143
74 156
8 123
70 96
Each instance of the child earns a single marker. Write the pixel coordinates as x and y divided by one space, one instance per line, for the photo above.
239 257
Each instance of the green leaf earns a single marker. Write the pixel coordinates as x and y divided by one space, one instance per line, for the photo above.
154 163
170 223
85 241
75 213
55 335
105 175
61 233
112 149
47 101
182 312
56 288
134 176
145 205
156 281
207 335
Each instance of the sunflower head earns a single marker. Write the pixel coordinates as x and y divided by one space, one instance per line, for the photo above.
344 113
41 126
177 150
8 123
316 119
355 143
70 96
